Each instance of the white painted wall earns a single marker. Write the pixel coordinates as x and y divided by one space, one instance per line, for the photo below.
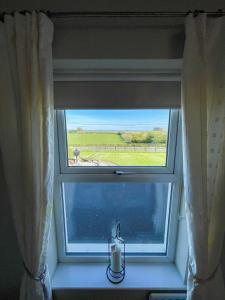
120 41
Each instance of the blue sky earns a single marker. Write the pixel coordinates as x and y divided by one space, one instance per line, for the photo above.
117 119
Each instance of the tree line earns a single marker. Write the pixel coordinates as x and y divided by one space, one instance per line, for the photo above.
151 137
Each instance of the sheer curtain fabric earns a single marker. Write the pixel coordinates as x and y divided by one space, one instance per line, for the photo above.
203 108
26 140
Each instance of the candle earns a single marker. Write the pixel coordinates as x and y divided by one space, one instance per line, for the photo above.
116 258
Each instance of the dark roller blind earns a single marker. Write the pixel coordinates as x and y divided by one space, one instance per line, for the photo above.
116 94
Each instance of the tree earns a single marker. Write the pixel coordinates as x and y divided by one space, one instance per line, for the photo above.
159 137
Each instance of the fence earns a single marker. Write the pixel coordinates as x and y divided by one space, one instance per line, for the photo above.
122 148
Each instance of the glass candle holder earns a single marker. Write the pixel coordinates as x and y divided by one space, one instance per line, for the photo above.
116 253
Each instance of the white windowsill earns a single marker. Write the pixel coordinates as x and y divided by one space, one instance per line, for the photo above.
147 276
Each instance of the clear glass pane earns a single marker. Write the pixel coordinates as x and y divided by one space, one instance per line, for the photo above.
119 137
92 209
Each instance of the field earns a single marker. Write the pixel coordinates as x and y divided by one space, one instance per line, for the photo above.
126 158
87 138
109 157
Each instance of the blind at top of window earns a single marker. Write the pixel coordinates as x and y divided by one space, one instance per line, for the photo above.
116 94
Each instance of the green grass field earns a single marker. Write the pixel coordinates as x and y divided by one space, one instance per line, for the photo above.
121 158
94 138
127 158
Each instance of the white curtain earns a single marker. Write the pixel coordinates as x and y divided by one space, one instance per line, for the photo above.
203 108
26 140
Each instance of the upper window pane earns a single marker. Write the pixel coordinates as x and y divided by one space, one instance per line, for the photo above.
118 137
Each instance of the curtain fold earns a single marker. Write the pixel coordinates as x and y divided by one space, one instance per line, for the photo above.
27 140
203 109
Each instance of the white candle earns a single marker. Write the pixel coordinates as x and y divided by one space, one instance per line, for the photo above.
116 258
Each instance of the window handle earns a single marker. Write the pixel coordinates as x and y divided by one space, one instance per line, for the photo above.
123 173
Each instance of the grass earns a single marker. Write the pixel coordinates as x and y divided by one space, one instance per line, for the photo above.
120 158
94 138
128 158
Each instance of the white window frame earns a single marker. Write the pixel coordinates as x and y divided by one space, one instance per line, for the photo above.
171 173
65 169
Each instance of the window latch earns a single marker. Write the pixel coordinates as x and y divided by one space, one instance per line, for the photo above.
123 173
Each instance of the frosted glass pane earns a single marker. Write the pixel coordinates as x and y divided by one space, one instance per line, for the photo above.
91 210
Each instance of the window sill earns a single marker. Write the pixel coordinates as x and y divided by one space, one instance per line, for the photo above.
143 276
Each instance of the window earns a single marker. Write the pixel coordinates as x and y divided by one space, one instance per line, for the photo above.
117 171
117 163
